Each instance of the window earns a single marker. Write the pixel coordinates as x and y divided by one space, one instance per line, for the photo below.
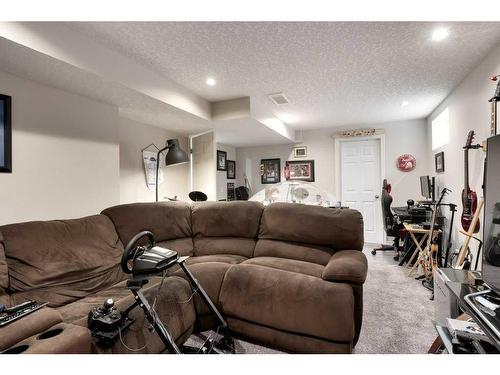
441 130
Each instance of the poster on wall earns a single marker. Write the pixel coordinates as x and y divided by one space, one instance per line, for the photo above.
300 170
231 170
270 171
149 159
5 134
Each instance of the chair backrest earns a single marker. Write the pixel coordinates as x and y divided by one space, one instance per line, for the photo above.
198 196
242 193
386 206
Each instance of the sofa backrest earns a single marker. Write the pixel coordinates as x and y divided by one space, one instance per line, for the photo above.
61 261
310 233
170 222
225 227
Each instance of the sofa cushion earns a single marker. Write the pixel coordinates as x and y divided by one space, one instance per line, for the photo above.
291 265
4 270
210 275
166 220
336 228
293 250
224 245
62 260
174 306
288 301
219 258
184 246
226 219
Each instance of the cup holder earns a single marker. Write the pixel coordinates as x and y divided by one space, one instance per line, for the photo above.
16 349
50 333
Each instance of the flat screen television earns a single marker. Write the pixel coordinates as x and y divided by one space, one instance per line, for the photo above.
491 227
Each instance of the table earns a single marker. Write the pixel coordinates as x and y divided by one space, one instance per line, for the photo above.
412 230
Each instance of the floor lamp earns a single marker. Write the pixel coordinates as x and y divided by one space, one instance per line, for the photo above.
175 155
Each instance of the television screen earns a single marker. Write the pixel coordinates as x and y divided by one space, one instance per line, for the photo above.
491 227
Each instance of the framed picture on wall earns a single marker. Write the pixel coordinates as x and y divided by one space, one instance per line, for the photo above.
300 170
221 160
230 191
439 162
5 134
270 171
231 169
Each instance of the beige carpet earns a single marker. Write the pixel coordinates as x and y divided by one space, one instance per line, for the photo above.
397 312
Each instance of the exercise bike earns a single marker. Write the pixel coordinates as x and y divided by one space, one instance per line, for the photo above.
143 262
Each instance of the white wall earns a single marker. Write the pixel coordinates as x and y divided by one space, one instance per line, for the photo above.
134 136
73 156
65 154
468 110
222 180
405 137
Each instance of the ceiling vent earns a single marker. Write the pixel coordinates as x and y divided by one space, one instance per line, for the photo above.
278 98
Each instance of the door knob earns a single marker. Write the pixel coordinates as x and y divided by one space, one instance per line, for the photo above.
377 196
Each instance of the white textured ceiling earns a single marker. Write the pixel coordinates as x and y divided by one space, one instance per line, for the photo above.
24 62
337 73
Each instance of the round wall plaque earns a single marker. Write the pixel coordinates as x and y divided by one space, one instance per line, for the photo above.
406 163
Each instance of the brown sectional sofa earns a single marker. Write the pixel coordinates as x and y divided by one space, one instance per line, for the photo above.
288 276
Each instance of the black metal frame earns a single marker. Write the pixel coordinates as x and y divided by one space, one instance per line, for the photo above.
225 160
234 169
135 286
269 161
436 156
7 104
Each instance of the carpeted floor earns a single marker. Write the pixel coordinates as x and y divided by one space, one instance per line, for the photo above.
397 316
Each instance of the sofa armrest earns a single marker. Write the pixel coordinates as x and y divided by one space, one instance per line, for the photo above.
347 266
30 325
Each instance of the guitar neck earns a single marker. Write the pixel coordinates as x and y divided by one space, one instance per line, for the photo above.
466 170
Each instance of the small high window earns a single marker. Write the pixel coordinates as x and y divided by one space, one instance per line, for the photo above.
441 130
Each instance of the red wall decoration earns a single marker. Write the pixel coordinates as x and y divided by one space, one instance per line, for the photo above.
406 163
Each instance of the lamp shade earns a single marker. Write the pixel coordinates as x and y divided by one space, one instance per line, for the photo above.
175 154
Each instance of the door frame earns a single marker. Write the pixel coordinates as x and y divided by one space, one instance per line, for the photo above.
338 175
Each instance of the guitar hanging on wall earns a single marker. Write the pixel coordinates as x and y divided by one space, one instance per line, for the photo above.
469 197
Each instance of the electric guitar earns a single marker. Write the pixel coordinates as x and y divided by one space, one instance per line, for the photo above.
493 101
469 197
430 260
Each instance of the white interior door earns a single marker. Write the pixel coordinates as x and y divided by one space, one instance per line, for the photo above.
361 183
203 164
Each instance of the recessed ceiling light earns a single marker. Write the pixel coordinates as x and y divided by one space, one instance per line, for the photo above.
404 103
440 34
210 81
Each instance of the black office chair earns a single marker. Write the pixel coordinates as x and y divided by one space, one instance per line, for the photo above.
392 227
242 193
198 196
